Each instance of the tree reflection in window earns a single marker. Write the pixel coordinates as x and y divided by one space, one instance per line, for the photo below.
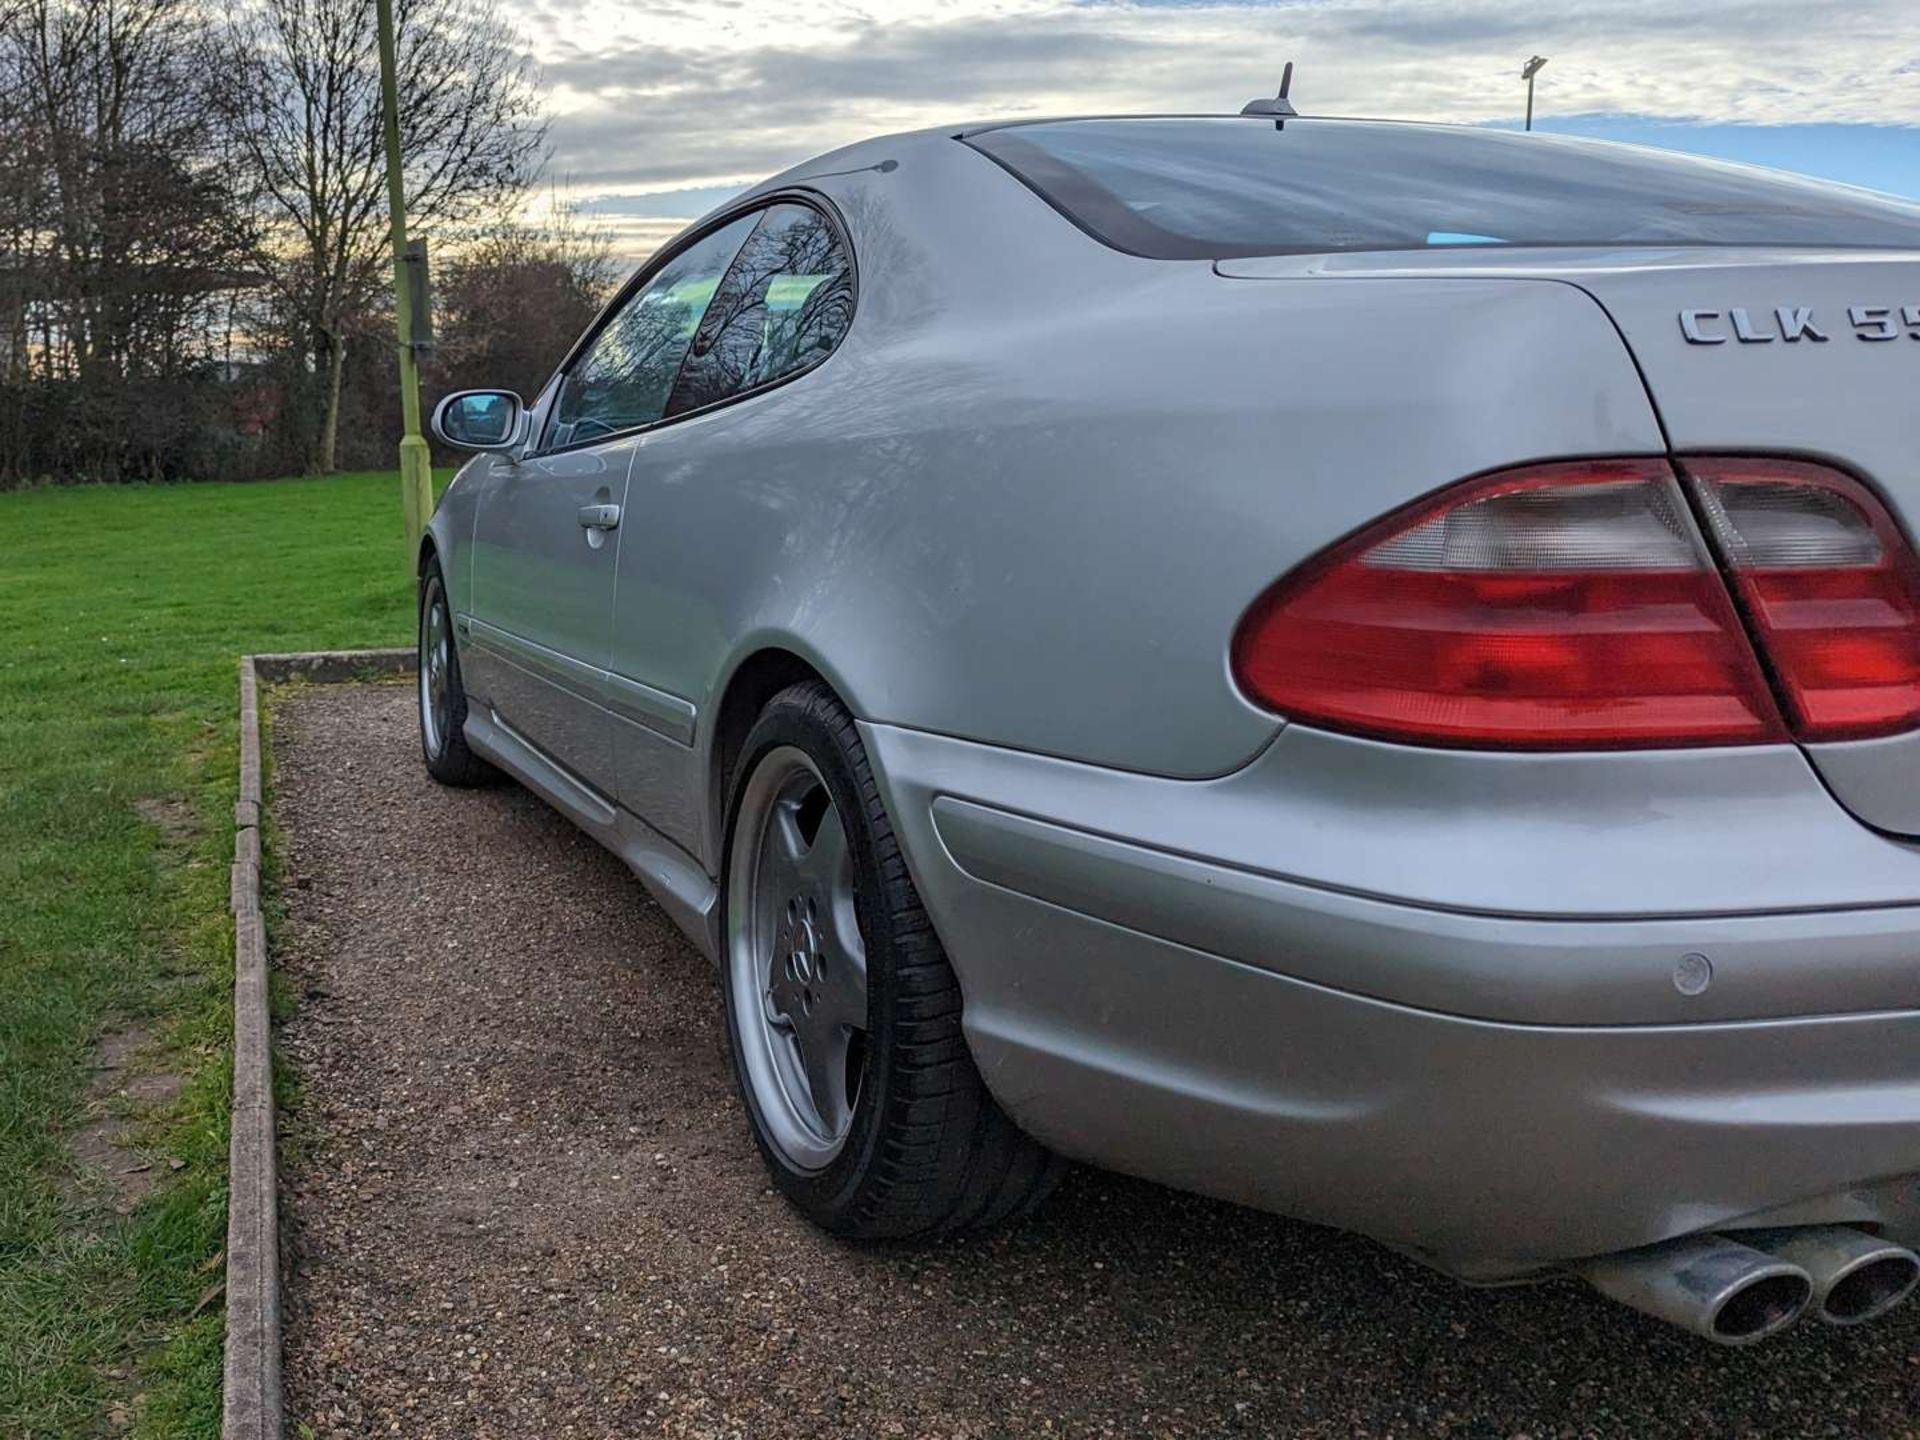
784 305
626 375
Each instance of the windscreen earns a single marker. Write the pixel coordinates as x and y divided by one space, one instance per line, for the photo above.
1210 188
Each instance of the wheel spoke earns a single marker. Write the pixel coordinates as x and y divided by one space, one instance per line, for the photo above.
840 991
823 1054
786 992
786 846
767 937
826 858
841 923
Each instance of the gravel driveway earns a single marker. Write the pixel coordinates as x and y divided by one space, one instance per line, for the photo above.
522 1202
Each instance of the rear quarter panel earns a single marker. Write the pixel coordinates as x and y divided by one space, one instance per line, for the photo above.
1028 499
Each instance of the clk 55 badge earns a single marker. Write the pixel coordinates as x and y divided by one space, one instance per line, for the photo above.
1793 323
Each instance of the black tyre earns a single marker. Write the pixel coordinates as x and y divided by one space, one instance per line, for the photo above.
443 700
842 1010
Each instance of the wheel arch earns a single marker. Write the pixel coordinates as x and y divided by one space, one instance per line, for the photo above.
756 678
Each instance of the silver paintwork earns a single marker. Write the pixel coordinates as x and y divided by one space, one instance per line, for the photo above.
1402 1069
1445 998
540 623
1878 780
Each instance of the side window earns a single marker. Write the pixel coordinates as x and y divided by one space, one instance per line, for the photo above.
625 376
784 305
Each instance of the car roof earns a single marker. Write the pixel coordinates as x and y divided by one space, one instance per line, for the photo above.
982 128
877 148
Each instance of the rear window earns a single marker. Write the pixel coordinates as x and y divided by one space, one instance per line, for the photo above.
784 305
1211 188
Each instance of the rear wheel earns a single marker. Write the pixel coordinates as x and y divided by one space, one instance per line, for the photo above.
843 1012
443 699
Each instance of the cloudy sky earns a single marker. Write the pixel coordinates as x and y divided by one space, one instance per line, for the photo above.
662 108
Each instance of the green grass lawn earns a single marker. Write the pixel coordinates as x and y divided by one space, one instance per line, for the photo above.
123 611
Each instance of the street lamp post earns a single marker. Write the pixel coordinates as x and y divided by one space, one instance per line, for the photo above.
416 466
1527 72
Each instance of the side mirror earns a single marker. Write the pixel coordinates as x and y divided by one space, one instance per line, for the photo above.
489 420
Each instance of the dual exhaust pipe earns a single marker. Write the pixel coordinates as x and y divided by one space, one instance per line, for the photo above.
1738 1291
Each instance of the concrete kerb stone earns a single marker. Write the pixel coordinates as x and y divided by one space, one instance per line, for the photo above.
252 1407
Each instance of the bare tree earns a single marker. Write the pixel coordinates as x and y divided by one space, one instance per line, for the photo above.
300 90
119 226
514 298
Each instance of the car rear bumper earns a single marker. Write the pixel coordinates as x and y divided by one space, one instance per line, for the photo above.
1498 1092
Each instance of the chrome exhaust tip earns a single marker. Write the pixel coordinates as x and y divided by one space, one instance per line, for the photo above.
1856 1276
1719 1289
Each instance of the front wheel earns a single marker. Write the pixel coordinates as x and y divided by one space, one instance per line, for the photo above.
843 1012
443 699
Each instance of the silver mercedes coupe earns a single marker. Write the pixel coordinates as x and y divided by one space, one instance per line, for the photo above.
1370 670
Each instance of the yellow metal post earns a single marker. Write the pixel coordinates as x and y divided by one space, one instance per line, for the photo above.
416 465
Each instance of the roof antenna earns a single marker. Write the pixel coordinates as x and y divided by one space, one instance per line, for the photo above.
1279 107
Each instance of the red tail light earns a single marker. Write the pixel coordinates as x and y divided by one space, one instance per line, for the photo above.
1829 585
1561 606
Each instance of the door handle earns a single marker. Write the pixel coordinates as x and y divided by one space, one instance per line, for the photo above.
599 517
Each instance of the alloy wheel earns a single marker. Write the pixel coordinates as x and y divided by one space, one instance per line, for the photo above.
436 669
797 961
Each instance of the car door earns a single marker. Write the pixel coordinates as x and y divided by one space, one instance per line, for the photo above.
548 526
784 305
